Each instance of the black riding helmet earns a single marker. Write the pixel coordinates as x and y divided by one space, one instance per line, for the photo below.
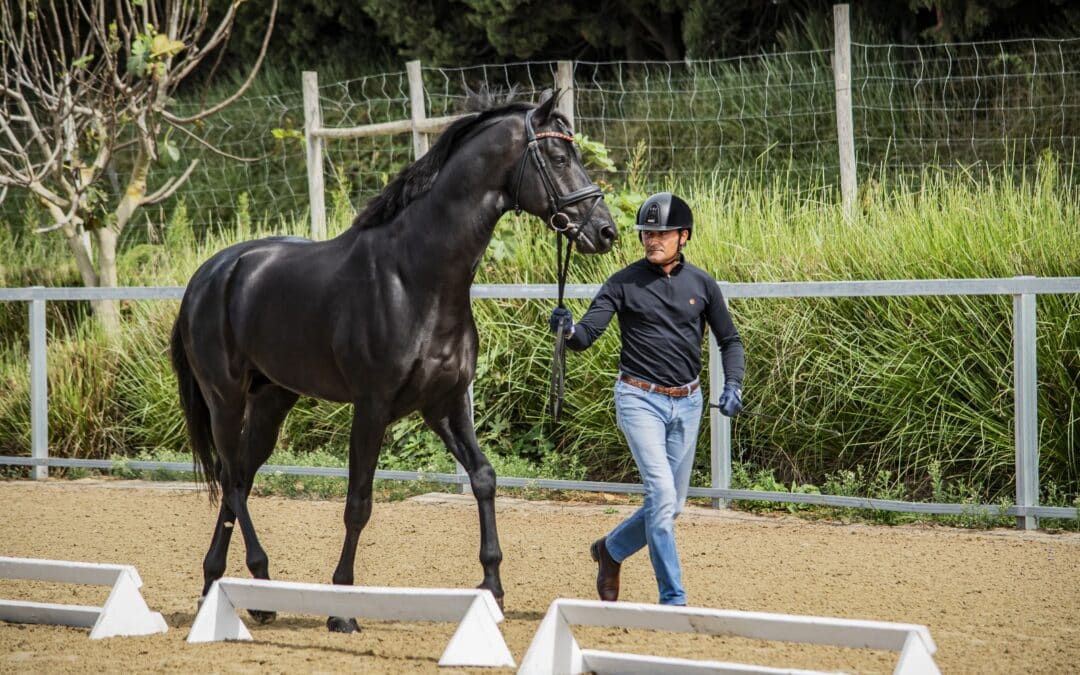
664 211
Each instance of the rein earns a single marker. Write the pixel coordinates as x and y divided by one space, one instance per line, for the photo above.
560 223
558 361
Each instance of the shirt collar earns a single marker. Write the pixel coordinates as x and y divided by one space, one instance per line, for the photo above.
659 270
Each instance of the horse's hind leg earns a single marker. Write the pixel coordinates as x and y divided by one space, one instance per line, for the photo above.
454 425
214 562
264 410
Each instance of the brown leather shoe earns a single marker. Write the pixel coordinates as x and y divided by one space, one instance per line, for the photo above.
607 578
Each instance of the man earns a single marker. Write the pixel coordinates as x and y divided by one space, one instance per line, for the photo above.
663 304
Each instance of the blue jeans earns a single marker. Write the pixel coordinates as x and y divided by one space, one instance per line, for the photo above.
662 432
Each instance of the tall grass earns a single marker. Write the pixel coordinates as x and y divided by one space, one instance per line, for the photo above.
920 388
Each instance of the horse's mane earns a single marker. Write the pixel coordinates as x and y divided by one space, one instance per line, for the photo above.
418 177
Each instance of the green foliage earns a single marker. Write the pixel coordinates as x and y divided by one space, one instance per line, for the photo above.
869 396
313 33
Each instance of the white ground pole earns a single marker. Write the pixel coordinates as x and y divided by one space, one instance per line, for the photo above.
124 613
477 641
554 651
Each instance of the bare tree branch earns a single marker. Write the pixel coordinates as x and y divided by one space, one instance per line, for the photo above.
216 150
170 186
86 91
243 88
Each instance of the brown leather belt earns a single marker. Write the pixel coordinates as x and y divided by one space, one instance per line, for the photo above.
677 392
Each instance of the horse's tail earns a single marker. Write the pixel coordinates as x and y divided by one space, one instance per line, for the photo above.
197 415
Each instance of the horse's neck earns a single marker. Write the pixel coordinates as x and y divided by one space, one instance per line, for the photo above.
440 237
456 229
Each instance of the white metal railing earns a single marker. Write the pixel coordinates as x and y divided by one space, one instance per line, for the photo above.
1023 290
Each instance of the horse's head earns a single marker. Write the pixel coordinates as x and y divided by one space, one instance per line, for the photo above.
550 181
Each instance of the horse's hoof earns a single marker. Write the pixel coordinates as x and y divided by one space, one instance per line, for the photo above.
262 617
498 596
336 624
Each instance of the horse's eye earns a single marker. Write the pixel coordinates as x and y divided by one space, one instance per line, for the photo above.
561 161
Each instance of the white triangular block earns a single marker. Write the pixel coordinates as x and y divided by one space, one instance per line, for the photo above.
125 612
478 641
217 619
916 658
553 649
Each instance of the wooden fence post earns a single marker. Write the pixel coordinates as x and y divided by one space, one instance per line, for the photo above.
564 80
419 113
314 143
845 126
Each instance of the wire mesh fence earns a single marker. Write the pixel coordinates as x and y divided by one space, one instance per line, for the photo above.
977 106
973 107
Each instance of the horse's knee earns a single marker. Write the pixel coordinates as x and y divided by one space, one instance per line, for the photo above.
482 481
357 511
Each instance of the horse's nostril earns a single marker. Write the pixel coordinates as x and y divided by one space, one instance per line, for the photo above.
608 233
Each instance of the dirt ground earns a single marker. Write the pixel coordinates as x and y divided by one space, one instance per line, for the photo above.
994 601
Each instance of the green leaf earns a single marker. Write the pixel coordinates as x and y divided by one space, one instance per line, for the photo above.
595 154
163 46
136 63
284 134
82 62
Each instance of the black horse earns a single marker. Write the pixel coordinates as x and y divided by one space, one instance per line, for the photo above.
378 316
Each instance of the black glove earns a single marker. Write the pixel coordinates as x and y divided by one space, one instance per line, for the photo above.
560 314
730 403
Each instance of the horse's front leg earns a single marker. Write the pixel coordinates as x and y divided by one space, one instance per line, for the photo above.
364 444
453 423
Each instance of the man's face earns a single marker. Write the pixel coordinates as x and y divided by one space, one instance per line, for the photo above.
662 247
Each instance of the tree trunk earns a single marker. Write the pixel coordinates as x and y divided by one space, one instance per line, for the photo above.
108 313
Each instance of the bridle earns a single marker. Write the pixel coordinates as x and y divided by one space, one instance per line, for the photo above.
560 223
558 220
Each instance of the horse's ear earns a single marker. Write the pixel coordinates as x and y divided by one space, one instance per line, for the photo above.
548 99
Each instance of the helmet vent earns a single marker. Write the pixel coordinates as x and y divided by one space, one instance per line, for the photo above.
652 216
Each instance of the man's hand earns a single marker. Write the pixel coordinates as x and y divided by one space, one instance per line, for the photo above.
730 403
560 314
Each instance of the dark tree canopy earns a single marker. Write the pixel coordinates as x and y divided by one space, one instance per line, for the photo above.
464 32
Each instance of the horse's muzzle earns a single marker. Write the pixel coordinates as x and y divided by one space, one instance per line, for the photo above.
599 241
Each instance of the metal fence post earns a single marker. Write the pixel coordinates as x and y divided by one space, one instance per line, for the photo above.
564 80
1026 401
845 124
314 143
39 389
419 110
719 427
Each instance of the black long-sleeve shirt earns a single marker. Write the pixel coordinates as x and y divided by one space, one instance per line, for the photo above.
662 318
